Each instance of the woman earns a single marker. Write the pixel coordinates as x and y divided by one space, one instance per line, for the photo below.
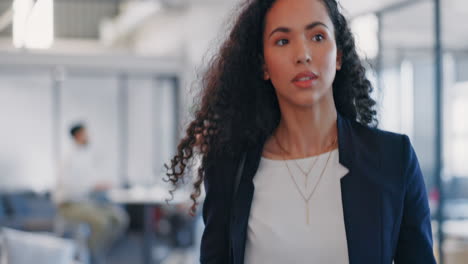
286 106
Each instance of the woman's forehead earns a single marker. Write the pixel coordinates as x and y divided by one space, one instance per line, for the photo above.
297 14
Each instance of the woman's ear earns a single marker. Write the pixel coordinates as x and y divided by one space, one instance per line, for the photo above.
266 75
339 60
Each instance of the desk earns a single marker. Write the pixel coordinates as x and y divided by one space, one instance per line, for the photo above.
456 229
148 197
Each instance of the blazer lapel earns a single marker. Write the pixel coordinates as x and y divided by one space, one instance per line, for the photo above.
242 203
361 201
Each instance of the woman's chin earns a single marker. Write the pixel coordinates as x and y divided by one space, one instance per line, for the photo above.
305 99
308 101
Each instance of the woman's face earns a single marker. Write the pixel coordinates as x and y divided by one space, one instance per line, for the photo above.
300 52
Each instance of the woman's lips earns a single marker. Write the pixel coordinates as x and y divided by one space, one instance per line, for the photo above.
304 79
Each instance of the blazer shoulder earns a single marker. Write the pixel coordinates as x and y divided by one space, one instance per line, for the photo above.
377 139
389 153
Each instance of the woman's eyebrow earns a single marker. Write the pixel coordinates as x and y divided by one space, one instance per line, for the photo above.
315 24
308 27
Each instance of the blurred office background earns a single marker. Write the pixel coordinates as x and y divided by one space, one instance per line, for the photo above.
127 69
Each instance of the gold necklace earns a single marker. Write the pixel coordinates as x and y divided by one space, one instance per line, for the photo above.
306 199
306 175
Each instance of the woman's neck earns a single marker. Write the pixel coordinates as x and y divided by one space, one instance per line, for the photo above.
307 132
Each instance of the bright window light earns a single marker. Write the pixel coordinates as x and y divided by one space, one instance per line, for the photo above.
365 29
21 9
407 98
459 130
460 111
33 24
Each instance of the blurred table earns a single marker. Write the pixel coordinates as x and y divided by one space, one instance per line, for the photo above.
456 229
455 242
147 197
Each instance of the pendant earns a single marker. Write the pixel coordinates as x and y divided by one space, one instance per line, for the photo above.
307 213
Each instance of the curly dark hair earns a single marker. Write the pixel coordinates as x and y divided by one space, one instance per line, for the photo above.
238 108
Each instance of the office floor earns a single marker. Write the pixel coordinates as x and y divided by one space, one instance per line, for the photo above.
129 250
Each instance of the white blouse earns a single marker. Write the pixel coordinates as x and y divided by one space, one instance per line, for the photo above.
277 230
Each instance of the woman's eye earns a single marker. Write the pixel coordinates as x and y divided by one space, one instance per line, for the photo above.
318 37
282 42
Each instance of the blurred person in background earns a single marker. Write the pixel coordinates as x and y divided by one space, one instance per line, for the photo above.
80 195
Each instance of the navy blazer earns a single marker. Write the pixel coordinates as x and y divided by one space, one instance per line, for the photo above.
385 207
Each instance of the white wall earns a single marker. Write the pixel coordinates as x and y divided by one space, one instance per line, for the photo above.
187 32
26 158
192 34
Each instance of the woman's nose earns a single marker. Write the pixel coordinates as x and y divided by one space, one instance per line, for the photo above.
303 55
